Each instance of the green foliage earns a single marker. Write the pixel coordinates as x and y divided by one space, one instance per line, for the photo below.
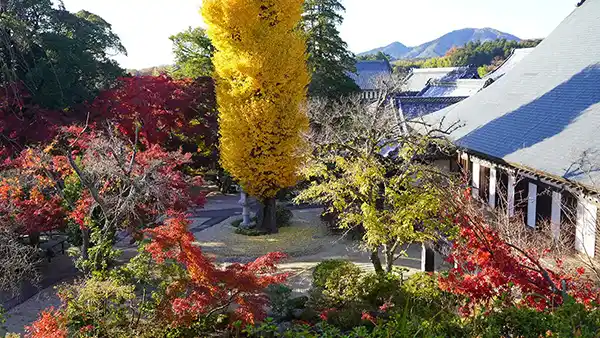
193 52
283 217
236 223
2 320
282 304
388 207
483 53
344 292
72 192
250 232
330 268
378 56
569 320
329 60
101 304
63 58
486 56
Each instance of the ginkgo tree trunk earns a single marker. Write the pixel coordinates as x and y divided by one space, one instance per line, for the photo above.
261 74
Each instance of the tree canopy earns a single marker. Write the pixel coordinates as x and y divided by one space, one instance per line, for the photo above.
328 57
260 69
378 56
193 53
61 58
487 56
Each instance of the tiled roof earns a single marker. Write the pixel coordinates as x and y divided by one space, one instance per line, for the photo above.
543 114
515 57
368 73
466 87
418 79
412 107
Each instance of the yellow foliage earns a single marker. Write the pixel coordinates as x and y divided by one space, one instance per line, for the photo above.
261 74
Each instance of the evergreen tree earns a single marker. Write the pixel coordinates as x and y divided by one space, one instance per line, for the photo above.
328 57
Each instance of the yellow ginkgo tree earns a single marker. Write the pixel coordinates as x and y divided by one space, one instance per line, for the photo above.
261 74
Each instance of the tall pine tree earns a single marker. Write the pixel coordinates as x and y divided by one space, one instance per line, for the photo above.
328 57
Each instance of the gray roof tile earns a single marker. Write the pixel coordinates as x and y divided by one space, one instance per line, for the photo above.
418 78
369 72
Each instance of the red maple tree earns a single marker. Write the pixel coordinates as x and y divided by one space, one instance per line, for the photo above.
210 289
174 113
488 269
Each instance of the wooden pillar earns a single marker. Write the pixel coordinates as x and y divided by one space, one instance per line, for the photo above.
531 205
585 230
511 194
475 175
556 213
492 194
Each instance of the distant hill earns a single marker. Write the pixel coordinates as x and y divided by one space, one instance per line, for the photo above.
393 49
443 44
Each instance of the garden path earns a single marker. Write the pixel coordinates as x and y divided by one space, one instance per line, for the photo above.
306 242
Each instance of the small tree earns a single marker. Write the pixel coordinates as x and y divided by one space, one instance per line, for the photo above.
373 174
18 263
260 66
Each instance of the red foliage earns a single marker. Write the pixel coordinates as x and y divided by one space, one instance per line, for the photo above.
22 122
162 107
51 324
489 269
211 289
27 202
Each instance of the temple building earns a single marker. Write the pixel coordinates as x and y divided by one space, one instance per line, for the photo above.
531 140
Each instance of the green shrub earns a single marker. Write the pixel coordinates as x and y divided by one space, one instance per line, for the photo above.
236 223
279 297
283 216
250 232
332 268
568 320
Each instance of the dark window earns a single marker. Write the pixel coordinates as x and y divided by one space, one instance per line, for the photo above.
521 197
484 183
502 189
543 207
568 218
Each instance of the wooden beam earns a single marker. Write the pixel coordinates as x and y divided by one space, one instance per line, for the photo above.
531 205
511 194
492 194
556 214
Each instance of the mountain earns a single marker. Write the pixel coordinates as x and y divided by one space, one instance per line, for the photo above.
393 49
443 44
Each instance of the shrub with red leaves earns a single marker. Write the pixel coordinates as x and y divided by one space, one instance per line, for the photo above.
51 324
488 270
22 122
210 289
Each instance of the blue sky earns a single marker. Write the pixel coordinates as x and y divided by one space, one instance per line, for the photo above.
144 26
